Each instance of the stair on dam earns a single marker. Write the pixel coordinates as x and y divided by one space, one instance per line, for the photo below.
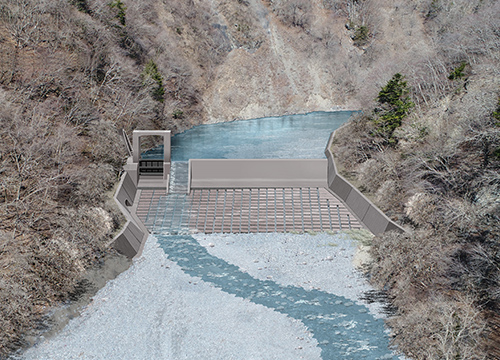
179 177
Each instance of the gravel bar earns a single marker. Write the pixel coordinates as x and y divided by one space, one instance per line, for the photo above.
156 311
219 296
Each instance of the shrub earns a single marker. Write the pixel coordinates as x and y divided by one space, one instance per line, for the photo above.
361 35
105 145
151 71
293 12
120 7
81 5
496 118
433 10
178 114
441 328
496 114
458 72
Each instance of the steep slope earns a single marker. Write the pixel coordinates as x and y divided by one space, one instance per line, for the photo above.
73 73
438 173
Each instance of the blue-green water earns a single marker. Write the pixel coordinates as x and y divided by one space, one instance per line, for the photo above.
292 137
344 330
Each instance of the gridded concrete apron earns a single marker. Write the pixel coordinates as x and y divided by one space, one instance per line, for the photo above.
256 210
343 329
245 211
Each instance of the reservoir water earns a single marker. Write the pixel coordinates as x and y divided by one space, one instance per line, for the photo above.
286 137
236 296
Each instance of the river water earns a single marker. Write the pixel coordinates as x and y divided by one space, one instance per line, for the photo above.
234 296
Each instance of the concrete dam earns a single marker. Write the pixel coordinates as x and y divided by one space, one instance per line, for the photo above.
236 196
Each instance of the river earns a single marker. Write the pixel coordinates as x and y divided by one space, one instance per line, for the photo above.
234 296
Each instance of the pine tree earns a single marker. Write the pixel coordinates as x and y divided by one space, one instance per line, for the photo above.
395 105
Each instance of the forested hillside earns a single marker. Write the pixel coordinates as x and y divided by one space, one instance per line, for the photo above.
75 72
428 153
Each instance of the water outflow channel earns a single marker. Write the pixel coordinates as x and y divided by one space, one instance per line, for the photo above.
156 310
343 329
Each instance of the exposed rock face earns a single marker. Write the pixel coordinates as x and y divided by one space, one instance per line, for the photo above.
263 67
280 75
274 58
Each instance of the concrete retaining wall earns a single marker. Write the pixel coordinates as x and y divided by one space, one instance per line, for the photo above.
126 192
249 173
371 216
130 241
255 173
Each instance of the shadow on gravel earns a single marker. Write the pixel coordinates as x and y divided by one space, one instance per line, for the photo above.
380 296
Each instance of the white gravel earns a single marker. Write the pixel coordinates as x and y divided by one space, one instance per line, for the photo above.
322 261
155 311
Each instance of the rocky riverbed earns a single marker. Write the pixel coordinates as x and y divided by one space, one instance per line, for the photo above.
264 296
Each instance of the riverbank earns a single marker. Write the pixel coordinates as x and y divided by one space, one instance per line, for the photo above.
159 309
89 283
156 311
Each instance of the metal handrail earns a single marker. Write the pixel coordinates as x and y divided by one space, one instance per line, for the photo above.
128 145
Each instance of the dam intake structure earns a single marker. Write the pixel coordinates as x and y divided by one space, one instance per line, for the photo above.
236 196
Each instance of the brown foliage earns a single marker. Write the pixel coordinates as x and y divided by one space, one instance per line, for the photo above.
441 328
293 12
411 265
442 180
71 78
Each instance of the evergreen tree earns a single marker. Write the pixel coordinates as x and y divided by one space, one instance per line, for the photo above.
151 70
395 104
121 8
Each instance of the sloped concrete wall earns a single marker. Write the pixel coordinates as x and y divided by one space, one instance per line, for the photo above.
126 192
255 173
130 241
370 215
